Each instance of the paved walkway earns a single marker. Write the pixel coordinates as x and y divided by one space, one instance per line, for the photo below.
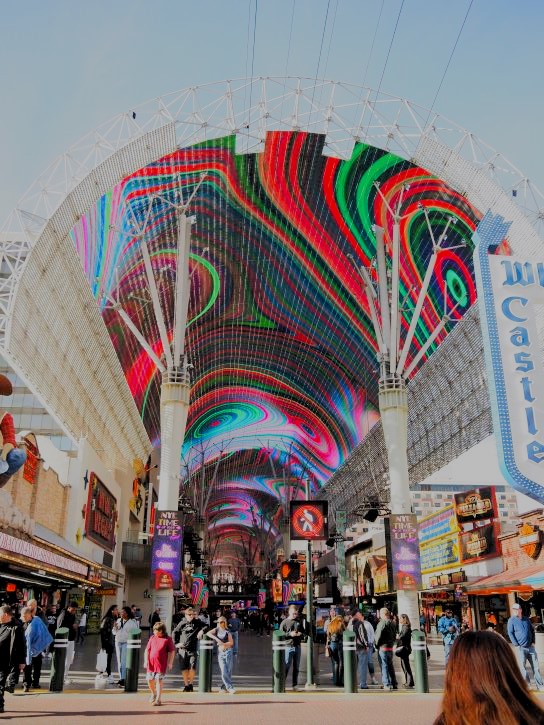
320 708
253 702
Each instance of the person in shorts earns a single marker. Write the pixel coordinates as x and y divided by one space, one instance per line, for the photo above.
158 657
186 636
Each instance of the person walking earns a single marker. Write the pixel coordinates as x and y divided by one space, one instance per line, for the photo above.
107 636
124 625
12 649
38 640
293 629
225 643
67 618
404 649
448 627
484 685
158 657
186 636
386 634
335 634
82 628
234 629
522 635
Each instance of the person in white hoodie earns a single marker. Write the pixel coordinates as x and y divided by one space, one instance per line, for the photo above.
124 625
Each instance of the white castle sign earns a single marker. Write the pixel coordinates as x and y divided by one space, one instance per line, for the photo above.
511 294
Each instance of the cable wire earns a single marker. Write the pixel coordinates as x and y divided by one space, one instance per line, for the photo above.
449 61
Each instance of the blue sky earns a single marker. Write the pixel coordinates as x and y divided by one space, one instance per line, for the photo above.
69 65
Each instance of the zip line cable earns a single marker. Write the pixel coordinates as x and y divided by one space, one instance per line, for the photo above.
449 61
387 59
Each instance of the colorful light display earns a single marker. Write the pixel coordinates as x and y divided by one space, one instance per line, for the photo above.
280 333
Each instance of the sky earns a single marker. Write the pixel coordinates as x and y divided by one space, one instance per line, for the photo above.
70 65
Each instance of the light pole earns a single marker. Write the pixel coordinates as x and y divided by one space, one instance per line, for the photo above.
392 353
174 366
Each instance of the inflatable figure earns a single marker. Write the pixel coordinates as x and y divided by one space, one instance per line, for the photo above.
11 457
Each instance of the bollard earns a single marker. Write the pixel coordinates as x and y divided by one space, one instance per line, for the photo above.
205 664
134 644
278 661
58 660
350 662
419 648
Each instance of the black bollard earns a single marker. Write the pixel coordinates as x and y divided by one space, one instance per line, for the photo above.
278 661
205 652
58 660
134 644
350 662
419 648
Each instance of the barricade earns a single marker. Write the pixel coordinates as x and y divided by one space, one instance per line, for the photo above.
350 662
205 648
419 648
279 647
58 660
134 645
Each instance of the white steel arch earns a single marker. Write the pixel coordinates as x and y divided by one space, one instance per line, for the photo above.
50 326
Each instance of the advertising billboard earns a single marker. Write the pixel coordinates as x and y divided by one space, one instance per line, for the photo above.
166 550
480 543
476 505
439 523
440 554
401 535
100 514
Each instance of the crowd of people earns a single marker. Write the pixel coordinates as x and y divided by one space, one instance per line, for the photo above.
26 637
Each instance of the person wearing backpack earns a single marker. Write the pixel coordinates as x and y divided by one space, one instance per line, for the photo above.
362 646
386 635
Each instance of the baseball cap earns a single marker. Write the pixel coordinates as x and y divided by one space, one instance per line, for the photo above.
516 606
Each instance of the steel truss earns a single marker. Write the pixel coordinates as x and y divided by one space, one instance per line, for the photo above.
50 327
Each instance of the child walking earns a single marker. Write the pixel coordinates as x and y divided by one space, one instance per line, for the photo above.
158 657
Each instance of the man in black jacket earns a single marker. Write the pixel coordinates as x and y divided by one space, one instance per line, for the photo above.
186 636
386 636
295 634
12 647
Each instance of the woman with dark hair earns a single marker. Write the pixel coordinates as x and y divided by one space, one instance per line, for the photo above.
124 625
484 685
107 639
404 649
335 635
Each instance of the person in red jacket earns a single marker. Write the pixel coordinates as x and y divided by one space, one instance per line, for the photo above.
11 457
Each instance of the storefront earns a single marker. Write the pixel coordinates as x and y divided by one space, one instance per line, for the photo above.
522 578
38 570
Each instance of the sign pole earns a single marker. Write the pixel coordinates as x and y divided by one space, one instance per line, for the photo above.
310 684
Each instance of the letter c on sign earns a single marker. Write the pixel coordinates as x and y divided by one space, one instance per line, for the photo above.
507 311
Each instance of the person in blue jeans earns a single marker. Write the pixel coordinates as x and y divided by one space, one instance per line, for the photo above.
448 627
362 646
522 635
225 645
234 629
386 635
294 632
124 625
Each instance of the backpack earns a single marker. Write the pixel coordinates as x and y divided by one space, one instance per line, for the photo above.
360 635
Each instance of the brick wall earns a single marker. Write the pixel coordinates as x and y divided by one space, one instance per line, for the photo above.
46 501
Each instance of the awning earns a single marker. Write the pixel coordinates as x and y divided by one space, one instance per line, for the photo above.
516 579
